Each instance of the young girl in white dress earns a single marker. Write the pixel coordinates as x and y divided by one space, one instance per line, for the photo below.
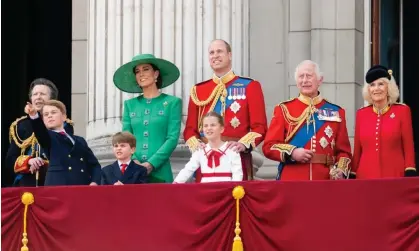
217 161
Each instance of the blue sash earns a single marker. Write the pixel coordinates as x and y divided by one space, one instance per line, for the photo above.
239 83
303 135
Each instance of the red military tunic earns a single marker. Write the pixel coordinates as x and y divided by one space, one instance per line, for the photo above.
383 142
329 142
244 113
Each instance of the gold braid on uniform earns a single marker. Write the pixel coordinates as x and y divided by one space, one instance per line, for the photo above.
219 91
193 143
343 164
293 122
22 144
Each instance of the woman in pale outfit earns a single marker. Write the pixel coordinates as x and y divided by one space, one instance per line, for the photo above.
217 161
153 117
383 145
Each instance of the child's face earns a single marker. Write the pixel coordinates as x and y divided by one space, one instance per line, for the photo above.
123 151
212 128
53 117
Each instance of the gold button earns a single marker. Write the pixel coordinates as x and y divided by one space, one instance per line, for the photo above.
81 159
314 150
82 170
69 156
314 137
69 168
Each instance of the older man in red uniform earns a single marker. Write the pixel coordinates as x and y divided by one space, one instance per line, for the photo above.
239 100
308 134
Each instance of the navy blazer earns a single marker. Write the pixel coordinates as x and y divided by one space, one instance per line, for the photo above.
134 174
68 164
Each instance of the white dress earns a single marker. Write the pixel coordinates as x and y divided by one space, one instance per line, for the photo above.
229 167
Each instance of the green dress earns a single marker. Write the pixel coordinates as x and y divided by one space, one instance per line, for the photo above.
155 124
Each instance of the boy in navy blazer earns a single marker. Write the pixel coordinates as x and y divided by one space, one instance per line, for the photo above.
71 161
123 170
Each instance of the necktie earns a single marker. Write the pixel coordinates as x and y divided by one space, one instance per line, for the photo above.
214 155
123 168
63 133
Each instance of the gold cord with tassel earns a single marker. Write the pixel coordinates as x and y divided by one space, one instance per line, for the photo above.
27 199
238 194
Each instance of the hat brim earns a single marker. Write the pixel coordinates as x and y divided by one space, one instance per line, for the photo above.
124 77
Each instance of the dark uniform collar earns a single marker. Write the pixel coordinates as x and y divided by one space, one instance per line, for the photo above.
224 79
313 101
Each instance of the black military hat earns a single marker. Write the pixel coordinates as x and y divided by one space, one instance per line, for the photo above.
376 72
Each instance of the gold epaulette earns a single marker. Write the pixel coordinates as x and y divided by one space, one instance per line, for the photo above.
69 121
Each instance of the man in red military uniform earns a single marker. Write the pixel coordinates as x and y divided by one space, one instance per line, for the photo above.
239 100
308 134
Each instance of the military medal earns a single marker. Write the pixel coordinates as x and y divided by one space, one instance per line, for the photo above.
235 122
229 94
244 93
235 107
234 94
328 131
323 142
238 94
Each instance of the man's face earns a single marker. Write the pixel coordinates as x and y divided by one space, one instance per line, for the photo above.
219 57
53 117
307 80
40 94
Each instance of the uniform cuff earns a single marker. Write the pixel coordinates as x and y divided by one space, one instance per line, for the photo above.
284 149
193 143
249 139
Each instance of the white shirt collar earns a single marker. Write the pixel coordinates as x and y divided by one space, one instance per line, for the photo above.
119 163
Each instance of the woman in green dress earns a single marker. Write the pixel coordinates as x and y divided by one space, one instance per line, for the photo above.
153 117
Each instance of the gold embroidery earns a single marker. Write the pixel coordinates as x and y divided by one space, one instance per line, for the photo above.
382 111
310 101
283 149
343 164
193 143
19 163
249 139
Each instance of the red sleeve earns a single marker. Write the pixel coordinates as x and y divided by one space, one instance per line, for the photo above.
257 112
357 145
191 126
343 146
274 147
407 138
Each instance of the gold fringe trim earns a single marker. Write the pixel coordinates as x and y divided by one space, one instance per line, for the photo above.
238 194
249 139
27 199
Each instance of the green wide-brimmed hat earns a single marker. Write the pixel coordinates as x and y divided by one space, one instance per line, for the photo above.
124 77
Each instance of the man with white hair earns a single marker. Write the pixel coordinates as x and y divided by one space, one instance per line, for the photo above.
308 134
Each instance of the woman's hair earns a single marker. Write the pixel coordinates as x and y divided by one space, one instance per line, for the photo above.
124 137
159 81
392 95
215 115
53 90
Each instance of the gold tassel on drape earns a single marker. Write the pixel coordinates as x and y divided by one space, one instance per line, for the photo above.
238 194
27 199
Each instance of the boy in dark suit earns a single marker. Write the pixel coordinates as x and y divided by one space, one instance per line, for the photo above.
123 170
71 161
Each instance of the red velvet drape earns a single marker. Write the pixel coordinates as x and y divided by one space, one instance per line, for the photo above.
324 215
